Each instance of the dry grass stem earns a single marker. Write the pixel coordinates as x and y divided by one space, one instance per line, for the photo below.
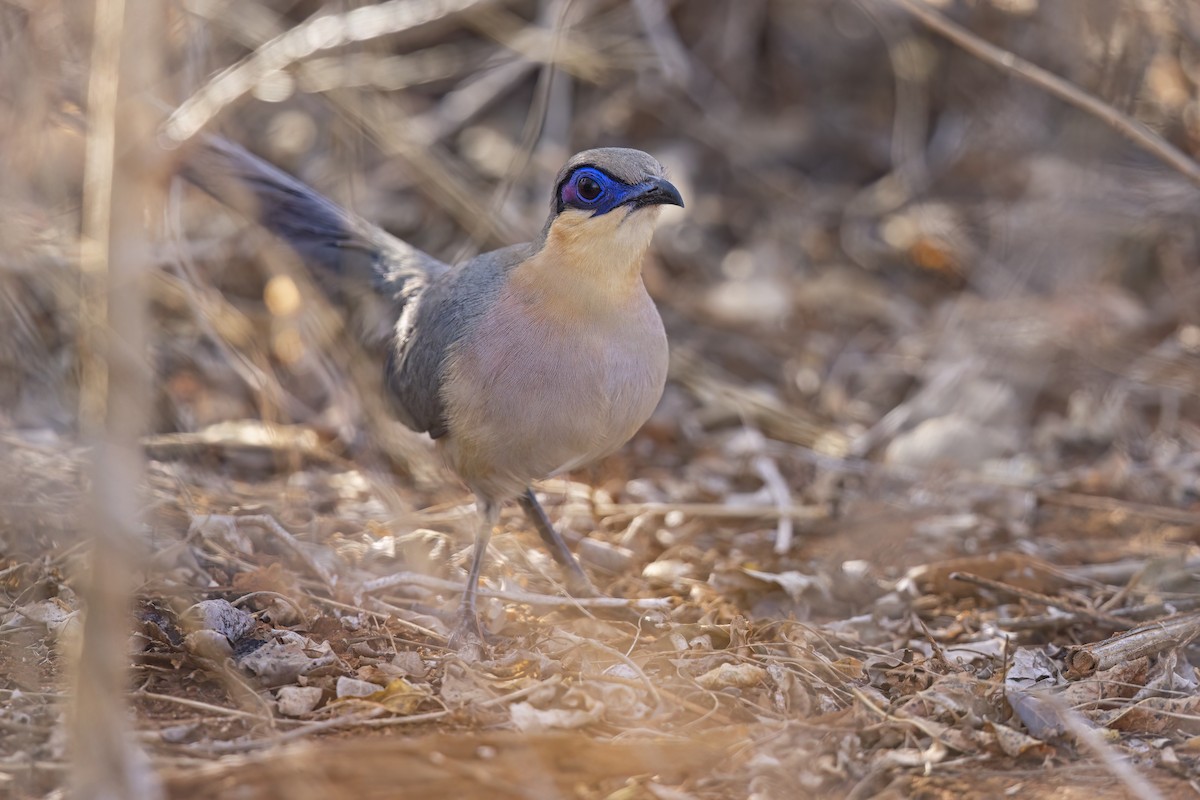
918 514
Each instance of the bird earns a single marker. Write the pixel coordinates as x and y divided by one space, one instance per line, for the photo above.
521 363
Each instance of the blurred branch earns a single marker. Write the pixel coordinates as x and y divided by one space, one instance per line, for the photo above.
554 16
1130 128
312 36
396 133
119 179
470 99
673 57
549 43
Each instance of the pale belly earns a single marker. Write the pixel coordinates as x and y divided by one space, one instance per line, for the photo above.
531 398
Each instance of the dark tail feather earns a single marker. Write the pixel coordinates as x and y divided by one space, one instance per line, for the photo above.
364 269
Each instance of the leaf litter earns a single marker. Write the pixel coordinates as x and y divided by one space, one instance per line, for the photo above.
917 515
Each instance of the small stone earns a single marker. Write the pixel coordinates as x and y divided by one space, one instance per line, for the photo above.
949 441
296 701
353 687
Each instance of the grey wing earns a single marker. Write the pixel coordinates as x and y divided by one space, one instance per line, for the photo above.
366 271
433 325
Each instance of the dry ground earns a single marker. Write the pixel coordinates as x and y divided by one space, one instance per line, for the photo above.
919 515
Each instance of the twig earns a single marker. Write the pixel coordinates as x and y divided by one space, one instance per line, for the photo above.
778 489
553 680
1044 599
209 307
122 178
470 99
528 598
535 118
1130 128
1119 597
389 617
1145 640
673 57
1054 621
368 719
277 596
617 654
549 43
445 515
311 36
245 745
21 764
714 511
1164 513
393 131
196 704
934 730
1168 607
1117 765
272 526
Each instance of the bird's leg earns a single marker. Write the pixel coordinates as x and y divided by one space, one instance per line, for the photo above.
468 631
577 580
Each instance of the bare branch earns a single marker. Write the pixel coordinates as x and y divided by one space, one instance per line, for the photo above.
1130 128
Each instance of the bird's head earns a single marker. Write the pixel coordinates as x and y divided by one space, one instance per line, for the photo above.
606 202
598 182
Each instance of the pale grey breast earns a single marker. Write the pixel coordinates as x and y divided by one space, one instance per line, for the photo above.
529 397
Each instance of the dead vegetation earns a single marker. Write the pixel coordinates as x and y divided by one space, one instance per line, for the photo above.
919 514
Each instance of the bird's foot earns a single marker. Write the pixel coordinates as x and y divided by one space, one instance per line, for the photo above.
468 638
579 585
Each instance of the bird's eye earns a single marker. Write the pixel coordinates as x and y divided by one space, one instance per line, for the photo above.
588 188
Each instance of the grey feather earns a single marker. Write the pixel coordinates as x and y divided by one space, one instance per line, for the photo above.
364 269
623 163
428 330
378 279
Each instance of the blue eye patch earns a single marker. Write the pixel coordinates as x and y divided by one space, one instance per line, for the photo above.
591 189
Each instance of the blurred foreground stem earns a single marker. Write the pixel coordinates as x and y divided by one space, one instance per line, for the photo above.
122 180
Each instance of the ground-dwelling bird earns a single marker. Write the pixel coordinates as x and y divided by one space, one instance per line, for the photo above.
523 362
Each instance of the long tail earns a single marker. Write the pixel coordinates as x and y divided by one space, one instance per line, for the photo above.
365 270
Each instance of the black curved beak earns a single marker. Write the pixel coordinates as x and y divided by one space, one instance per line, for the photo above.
656 192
